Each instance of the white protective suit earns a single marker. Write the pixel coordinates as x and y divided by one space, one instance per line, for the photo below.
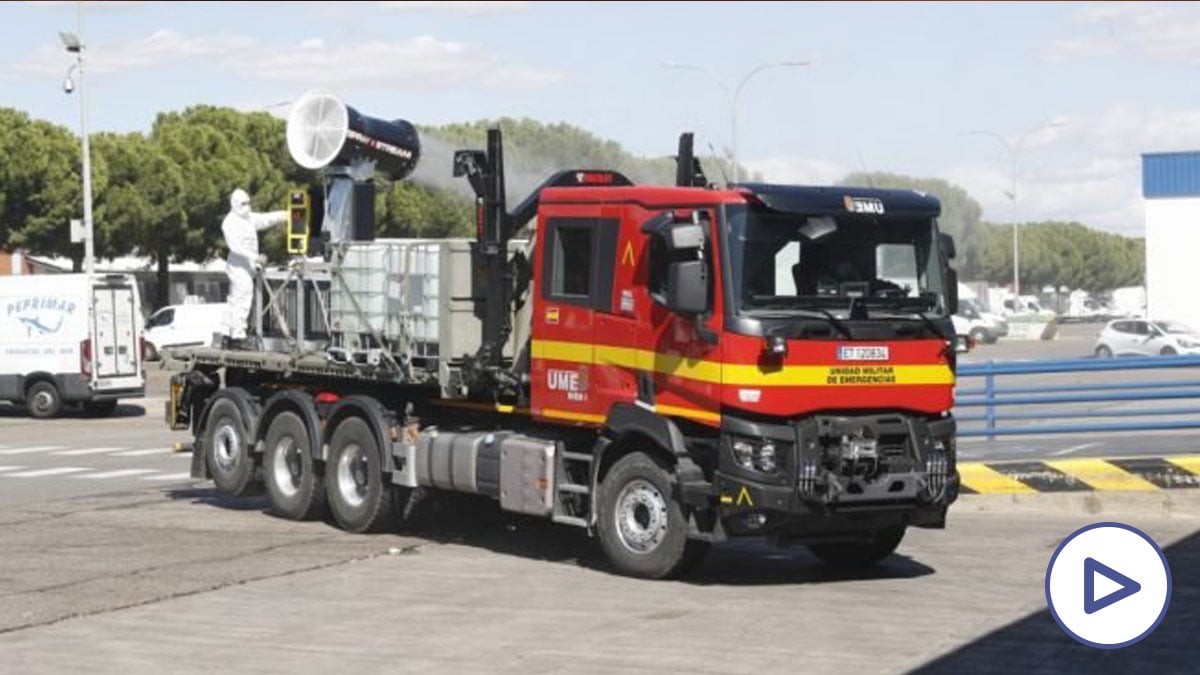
240 228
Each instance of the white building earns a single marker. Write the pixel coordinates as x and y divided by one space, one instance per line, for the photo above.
1171 186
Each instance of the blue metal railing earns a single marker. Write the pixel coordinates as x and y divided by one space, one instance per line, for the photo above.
991 398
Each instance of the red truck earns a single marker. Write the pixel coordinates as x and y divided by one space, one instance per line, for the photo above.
670 367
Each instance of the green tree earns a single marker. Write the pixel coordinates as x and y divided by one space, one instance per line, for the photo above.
40 186
144 206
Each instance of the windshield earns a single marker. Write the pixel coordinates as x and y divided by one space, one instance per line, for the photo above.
785 261
1173 327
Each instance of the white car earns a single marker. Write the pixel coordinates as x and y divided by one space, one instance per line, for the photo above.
1143 337
183 325
982 328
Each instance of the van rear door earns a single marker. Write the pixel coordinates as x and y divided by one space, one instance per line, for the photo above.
116 330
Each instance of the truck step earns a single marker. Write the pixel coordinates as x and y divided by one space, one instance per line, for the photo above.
570 520
575 488
577 456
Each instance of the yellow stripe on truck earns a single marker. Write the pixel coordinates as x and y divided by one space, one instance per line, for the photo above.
714 372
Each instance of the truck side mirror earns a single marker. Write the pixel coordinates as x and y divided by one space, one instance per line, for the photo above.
951 291
687 287
947 244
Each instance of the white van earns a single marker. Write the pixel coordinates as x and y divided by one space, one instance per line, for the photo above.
65 341
183 325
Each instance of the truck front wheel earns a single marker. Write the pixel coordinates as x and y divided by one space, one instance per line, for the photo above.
642 530
360 499
295 489
860 554
227 449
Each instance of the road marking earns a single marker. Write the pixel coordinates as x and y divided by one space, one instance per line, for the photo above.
1187 463
143 453
119 473
10 468
1074 448
169 476
31 449
1101 475
986 480
87 451
46 472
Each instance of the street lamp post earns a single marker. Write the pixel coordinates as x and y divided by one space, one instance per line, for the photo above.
74 45
1014 150
735 97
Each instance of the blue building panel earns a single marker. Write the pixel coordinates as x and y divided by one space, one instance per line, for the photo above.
1171 174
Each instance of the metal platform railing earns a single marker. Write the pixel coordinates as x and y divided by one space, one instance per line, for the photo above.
1093 394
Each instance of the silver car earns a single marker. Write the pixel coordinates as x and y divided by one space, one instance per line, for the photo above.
1143 337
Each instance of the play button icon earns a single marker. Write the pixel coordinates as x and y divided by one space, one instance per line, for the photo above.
1092 604
1108 585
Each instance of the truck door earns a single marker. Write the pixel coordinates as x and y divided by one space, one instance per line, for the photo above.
116 348
574 281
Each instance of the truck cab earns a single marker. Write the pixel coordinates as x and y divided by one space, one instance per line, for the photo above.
794 342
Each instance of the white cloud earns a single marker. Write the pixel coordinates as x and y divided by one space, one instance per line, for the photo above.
422 62
467 8
1090 171
1167 32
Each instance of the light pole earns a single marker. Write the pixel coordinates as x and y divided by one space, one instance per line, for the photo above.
74 45
737 94
1014 150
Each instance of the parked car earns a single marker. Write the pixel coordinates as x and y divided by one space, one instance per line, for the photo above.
981 328
182 325
1142 337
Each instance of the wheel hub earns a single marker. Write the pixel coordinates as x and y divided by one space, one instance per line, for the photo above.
352 475
227 445
287 467
641 515
43 401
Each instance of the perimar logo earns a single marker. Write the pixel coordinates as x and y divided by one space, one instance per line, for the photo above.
39 315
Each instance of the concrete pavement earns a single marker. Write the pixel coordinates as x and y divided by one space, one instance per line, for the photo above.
189 583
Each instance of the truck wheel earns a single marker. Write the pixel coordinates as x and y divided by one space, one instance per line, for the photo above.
642 530
358 496
290 474
100 408
847 554
43 400
227 449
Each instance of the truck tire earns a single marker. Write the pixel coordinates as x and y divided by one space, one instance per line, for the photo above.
642 530
227 449
360 498
43 400
860 554
289 471
100 408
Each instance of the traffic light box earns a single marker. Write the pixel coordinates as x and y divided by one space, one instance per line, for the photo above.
299 222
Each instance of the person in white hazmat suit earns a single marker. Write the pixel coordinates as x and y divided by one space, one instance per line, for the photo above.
240 228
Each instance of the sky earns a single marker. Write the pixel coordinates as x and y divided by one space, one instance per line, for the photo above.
1075 91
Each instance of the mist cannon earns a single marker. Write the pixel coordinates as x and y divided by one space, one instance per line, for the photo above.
350 150
323 133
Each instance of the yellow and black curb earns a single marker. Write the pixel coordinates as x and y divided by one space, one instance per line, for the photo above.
1136 474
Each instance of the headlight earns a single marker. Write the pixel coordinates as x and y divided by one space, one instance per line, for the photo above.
1189 344
754 456
743 454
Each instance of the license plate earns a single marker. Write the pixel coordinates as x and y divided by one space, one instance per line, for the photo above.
863 353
